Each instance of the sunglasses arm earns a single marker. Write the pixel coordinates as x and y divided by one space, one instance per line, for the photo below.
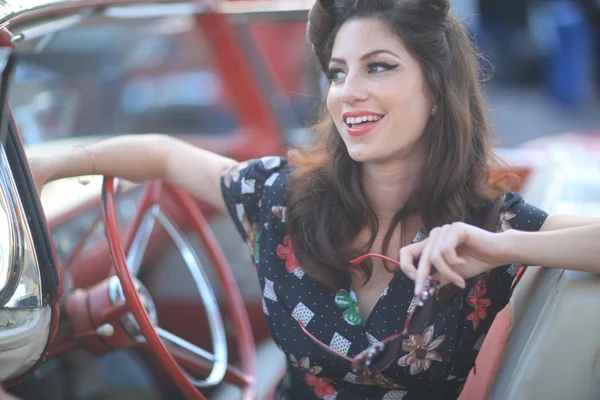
362 258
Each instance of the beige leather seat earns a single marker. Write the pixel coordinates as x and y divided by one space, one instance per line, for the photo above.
546 343
553 349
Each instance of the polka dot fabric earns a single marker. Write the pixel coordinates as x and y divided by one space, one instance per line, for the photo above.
433 365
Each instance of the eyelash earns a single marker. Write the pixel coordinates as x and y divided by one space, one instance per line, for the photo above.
386 66
370 67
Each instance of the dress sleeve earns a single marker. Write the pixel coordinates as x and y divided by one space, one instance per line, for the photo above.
247 188
517 214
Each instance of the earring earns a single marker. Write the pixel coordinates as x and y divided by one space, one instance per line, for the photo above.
434 110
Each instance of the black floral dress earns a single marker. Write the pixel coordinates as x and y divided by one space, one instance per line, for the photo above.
300 311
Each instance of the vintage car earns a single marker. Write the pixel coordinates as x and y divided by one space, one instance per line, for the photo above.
112 289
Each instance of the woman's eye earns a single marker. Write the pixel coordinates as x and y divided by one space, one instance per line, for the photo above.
335 75
379 67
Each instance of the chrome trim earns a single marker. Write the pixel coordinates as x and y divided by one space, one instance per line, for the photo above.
246 13
20 279
24 334
50 28
141 239
156 10
5 53
183 344
128 321
16 10
9 273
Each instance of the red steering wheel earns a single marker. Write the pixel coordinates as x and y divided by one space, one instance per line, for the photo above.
141 324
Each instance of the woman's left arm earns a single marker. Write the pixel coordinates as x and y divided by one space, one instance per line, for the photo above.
562 221
565 245
460 251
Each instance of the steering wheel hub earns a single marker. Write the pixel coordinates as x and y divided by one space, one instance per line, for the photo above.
128 321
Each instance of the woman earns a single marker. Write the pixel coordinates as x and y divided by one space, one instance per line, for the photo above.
403 153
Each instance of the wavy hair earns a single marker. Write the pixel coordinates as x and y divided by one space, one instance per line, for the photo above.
327 205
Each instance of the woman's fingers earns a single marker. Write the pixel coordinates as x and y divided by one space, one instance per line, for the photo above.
408 255
440 252
424 267
444 256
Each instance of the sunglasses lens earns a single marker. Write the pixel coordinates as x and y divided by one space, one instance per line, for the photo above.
378 357
421 317
385 358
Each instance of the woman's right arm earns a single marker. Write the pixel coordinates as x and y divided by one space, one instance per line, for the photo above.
141 157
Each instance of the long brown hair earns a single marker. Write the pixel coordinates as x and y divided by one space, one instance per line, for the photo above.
327 205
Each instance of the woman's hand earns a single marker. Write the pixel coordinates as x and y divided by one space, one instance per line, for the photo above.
458 251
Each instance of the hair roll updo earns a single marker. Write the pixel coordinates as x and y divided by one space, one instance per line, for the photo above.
327 205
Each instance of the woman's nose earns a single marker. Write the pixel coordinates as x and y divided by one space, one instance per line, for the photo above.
354 89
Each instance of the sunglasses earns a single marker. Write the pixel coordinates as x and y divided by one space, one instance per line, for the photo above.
369 363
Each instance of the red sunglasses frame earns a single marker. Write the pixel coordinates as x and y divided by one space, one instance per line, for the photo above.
373 360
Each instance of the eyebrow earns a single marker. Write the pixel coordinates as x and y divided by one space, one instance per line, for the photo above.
366 56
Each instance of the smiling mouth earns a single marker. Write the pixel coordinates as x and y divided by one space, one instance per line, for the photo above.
360 122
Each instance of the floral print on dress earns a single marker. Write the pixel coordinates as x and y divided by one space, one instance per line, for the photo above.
279 212
304 365
478 302
253 237
505 217
505 225
321 385
232 174
286 252
421 351
347 300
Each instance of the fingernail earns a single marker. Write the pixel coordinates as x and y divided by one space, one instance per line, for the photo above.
462 284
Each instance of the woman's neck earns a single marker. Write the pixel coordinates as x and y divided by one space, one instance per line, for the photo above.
388 186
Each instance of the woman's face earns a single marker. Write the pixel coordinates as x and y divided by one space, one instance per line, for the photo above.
378 97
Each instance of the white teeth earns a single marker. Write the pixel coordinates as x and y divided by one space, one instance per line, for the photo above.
364 118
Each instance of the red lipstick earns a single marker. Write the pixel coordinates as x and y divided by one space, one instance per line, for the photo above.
360 127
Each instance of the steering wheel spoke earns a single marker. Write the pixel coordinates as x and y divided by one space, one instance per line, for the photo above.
219 361
141 238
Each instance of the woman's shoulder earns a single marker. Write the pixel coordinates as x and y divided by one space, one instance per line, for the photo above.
252 176
250 184
259 169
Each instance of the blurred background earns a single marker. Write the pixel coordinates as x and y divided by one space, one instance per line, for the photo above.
114 74
544 63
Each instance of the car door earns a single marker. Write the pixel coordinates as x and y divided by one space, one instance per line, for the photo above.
29 277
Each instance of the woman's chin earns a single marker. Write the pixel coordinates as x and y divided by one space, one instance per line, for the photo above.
358 156
363 154
359 152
